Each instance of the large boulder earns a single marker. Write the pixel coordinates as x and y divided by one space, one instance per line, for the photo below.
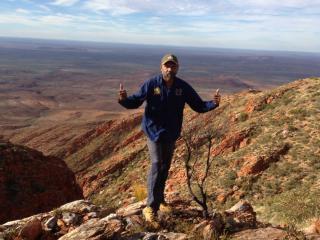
240 216
31 183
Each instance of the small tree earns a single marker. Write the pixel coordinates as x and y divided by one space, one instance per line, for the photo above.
190 161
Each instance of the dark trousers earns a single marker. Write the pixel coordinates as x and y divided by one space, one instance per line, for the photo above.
161 155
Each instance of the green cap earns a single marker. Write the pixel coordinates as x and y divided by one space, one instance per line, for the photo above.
169 58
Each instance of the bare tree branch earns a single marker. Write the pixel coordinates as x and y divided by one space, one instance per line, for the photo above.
208 162
190 170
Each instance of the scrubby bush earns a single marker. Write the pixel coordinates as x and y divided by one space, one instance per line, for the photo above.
139 192
243 117
228 180
294 207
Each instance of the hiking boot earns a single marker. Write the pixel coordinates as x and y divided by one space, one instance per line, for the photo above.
165 208
150 217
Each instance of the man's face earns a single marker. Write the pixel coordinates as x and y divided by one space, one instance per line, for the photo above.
169 70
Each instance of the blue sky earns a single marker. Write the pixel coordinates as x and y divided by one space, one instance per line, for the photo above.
247 24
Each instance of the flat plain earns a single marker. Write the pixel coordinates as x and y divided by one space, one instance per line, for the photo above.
44 81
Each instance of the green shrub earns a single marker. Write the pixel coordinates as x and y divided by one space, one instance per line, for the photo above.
272 187
290 184
292 128
243 116
269 106
299 113
228 180
294 207
246 183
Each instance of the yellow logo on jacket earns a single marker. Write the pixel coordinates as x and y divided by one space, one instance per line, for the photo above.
156 91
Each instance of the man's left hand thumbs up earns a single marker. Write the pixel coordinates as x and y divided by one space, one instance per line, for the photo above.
217 97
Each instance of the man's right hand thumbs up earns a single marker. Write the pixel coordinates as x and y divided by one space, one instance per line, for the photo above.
122 93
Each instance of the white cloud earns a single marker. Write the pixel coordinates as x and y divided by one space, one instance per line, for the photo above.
15 19
199 7
44 7
114 7
276 6
23 11
123 7
277 3
64 2
55 19
42 21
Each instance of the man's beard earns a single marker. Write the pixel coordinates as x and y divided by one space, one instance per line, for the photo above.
169 76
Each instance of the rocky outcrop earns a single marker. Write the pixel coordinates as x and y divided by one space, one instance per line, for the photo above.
255 104
241 216
82 220
233 142
88 222
31 182
258 103
96 229
257 164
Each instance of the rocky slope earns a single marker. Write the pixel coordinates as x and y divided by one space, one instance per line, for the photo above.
265 148
82 220
31 182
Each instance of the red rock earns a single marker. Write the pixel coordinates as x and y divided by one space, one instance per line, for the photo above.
200 226
232 142
238 195
63 227
31 230
85 218
241 216
317 225
268 233
252 165
129 140
255 104
244 143
214 228
257 164
31 182
221 198
314 228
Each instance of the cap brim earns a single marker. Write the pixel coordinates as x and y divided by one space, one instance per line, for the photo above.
164 62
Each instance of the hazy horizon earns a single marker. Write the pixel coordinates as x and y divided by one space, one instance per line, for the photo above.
246 24
102 44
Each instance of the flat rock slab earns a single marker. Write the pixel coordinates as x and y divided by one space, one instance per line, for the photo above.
95 229
268 233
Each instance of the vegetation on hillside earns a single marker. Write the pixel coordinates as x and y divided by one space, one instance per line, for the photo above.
266 149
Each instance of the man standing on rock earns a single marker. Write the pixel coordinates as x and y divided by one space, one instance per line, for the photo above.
166 95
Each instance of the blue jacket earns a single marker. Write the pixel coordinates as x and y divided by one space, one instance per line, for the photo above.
164 109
